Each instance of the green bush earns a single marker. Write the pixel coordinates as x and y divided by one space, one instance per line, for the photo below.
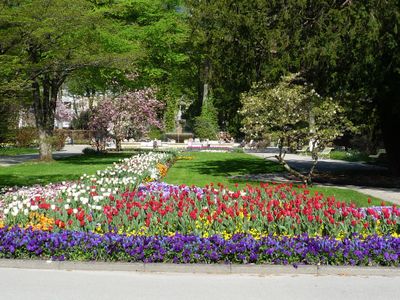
350 155
81 122
206 125
89 151
155 133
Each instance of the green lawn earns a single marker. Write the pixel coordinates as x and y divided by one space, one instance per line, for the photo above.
17 151
205 168
68 168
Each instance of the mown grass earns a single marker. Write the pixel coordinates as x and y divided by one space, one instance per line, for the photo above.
202 168
12 151
68 168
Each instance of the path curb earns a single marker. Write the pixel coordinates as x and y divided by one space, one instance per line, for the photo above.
260 270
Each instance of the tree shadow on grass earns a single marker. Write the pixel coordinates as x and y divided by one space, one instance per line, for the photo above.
17 180
107 158
63 169
234 166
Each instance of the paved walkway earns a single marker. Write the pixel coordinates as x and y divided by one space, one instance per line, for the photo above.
303 163
58 284
68 150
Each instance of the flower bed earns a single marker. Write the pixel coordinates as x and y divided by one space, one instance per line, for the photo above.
162 209
75 245
122 203
127 174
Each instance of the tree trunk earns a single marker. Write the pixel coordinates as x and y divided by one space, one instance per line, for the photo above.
45 147
206 80
45 91
118 144
306 179
389 116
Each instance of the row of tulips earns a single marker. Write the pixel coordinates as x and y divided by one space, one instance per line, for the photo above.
162 209
126 174
76 245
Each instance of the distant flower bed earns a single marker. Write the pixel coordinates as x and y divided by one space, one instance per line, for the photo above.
211 148
76 245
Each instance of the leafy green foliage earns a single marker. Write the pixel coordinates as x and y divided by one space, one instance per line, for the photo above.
284 111
206 125
349 50
46 41
293 114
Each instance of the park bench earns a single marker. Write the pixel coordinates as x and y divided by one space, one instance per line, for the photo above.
302 150
379 153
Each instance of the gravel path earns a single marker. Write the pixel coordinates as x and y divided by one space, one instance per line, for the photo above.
68 150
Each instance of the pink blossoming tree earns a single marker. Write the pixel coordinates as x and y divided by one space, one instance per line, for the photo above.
128 115
63 113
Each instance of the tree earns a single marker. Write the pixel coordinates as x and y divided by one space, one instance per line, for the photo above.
293 114
353 48
129 115
234 47
206 125
63 113
349 50
48 41
160 29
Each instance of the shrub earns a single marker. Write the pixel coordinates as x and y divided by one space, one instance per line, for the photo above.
155 133
89 151
78 136
206 125
58 140
81 121
26 136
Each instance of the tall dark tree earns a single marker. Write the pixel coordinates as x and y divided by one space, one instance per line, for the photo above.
348 49
351 50
235 46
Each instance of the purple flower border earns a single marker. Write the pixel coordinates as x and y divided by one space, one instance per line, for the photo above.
74 245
